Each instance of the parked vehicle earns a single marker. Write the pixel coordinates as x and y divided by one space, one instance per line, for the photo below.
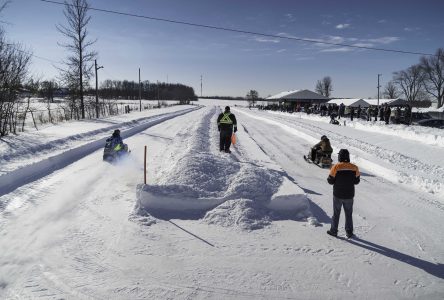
436 123
418 116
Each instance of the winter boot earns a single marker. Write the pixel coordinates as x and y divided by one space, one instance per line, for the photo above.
332 233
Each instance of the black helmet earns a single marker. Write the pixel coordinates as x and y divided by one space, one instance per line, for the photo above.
116 132
227 108
324 137
343 155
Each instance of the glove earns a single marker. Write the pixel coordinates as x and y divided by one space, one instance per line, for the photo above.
235 129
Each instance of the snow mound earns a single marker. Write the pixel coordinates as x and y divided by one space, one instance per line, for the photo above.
232 187
249 198
243 213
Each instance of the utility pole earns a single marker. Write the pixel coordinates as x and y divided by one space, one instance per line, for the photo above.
158 95
97 88
201 86
140 94
378 89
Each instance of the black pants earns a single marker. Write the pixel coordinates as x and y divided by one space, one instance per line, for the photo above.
348 210
225 140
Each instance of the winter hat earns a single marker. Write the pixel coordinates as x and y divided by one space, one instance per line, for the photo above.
116 132
227 108
343 155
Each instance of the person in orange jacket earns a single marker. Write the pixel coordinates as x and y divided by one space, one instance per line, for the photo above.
343 176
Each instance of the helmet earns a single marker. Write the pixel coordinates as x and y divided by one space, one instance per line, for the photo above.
324 137
227 108
343 155
116 132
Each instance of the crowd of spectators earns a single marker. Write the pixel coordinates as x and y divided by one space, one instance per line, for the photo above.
388 114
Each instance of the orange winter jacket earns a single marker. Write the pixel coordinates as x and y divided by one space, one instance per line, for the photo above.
343 176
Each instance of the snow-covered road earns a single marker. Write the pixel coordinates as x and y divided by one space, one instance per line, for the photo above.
75 234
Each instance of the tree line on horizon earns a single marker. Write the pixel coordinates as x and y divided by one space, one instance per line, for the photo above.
75 75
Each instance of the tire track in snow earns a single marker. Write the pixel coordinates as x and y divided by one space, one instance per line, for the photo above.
433 186
30 173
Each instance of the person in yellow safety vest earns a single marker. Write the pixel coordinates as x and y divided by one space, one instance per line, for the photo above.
226 123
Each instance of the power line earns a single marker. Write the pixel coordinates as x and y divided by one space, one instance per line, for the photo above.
30 53
242 31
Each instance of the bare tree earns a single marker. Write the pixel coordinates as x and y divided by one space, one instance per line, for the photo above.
48 89
410 81
324 86
433 68
390 90
252 97
14 63
79 64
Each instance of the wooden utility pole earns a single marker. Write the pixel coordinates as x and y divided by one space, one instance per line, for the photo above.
158 94
378 89
97 88
140 94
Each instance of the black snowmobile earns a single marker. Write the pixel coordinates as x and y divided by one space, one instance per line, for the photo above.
322 160
333 120
113 153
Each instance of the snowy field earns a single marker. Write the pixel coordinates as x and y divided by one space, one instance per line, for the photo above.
210 225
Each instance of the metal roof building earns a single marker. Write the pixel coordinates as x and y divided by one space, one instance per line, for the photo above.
299 96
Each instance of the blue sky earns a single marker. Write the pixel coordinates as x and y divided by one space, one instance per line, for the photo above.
234 63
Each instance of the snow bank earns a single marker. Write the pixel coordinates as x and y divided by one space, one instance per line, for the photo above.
204 182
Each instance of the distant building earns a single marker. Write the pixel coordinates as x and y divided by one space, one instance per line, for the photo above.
24 93
298 97
61 92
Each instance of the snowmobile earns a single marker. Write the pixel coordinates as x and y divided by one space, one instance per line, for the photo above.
333 120
322 160
112 153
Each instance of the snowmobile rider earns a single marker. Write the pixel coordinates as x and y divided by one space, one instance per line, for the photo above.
226 123
321 148
117 142
343 176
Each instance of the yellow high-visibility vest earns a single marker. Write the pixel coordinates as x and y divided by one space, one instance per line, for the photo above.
226 119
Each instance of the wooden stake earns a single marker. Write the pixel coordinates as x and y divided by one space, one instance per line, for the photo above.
144 167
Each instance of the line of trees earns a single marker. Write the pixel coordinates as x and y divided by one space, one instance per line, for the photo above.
129 90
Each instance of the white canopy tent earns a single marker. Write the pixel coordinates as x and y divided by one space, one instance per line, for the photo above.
350 102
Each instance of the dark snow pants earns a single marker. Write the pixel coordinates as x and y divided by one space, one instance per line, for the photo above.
225 140
348 210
